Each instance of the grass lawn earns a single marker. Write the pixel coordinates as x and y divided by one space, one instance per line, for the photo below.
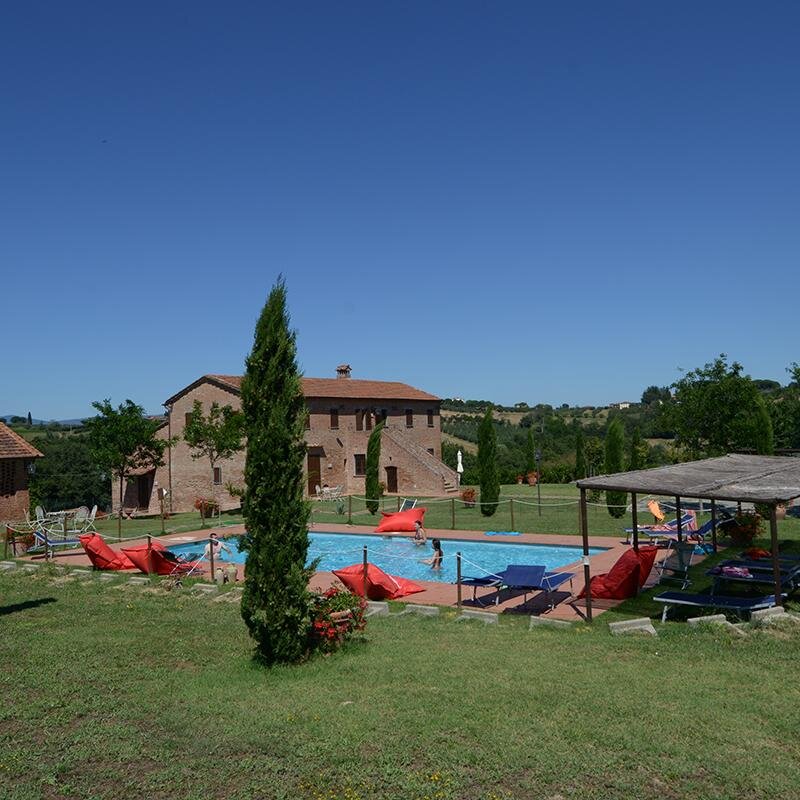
117 693
559 515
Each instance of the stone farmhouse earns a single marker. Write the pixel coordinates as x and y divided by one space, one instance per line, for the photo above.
342 414
16 461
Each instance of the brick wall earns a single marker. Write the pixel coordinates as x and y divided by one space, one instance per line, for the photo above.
14 499
336 441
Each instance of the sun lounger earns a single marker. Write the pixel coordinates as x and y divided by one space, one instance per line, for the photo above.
719 602
521 577
48 541
688 524
408 503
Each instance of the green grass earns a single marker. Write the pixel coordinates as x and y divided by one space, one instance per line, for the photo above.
559 513
111 693
177 523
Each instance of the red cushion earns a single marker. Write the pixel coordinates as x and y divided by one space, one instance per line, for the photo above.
380 586
402 521
647 557
138 555
101 555
623 580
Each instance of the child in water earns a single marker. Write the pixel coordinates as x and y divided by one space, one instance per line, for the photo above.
438 555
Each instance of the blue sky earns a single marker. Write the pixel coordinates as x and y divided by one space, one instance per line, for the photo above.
518 201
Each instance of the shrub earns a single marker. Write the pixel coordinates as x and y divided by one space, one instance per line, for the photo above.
206 506
336 617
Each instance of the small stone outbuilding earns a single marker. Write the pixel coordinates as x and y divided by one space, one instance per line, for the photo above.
16 460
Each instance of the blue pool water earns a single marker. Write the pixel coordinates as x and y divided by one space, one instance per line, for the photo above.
398 555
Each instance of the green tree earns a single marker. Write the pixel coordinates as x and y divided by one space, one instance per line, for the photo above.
763 440
373 486
530 452
487 465
276 601
615 459
581 468
716 409
123 440
68 476
215 437
30 420
635 454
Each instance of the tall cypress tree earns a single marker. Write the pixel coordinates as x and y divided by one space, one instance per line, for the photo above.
487 465
275 603
615 460
580 455
763 437
373 489
635 457
530 453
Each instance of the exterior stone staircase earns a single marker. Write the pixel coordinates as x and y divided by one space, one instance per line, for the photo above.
449 477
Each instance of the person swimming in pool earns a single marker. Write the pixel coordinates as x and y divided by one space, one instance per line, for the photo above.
420 537
216 547
436 560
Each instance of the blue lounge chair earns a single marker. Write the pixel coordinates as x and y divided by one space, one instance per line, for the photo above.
407 504
719 602
521 577
46 541
661 531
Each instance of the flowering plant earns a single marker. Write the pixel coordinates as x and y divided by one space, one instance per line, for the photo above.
206 507
336 616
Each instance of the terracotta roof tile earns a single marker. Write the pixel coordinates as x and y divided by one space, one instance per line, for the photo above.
12 445
345 388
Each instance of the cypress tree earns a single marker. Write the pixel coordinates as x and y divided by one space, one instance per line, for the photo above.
580 455
763 437
635 457
487 465
275 603
615 455
373 489
530 453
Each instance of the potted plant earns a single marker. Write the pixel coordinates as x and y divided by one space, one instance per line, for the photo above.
532 477
747 525
519 479
468 496
207 508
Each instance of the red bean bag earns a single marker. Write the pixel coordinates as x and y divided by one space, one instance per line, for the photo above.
138 555
402 521
626 577
380 586
101 555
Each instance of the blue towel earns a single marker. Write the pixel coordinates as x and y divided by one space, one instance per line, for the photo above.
503 533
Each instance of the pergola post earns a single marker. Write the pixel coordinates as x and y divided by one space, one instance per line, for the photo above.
776 566
678 516
585 535
714 525
635 519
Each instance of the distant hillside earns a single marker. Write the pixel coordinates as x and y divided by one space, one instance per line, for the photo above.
24 417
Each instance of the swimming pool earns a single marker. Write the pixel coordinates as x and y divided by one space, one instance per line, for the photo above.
398 555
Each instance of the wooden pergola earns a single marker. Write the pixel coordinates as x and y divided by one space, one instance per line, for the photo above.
769 480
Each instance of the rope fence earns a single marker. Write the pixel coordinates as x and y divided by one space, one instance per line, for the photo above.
554 515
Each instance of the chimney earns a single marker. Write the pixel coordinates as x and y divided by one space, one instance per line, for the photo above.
343 371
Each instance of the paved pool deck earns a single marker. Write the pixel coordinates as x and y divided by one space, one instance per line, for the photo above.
436 593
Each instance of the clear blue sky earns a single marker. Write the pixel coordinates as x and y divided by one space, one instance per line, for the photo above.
559 202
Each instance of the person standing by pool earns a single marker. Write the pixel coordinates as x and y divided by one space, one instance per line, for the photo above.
438 555
215 547
420 537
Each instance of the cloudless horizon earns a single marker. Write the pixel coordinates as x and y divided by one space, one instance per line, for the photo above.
532 202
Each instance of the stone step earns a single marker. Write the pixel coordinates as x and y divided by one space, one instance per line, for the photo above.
641 625
424 611
376 608
545 622
484 616
7 565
